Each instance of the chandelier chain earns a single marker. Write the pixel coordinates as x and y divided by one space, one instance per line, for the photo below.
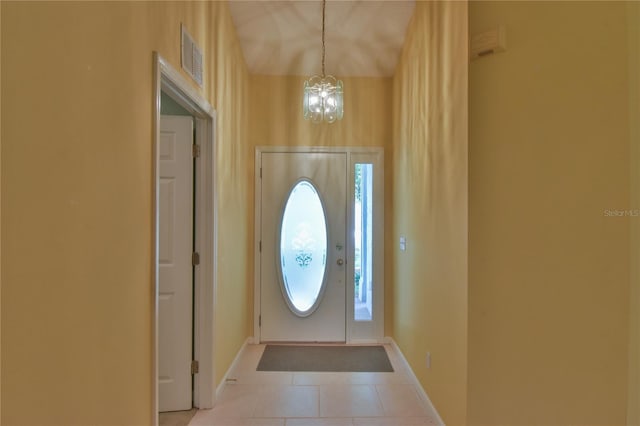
324 2
323 99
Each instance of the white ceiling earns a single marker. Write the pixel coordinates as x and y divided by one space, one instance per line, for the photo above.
363 38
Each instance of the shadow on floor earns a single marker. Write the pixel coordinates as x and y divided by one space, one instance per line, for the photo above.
176 418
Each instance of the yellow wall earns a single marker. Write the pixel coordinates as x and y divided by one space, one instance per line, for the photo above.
276 120
230 96
276 111
430 203
548 271
76 190
633 20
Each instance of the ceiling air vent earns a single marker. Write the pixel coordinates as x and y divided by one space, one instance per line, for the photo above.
191 57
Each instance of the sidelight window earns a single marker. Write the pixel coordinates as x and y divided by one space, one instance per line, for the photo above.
363 238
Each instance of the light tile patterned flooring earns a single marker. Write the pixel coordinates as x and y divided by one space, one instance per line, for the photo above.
255 398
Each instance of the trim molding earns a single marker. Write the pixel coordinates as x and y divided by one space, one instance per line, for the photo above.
414 379
223 383
167 79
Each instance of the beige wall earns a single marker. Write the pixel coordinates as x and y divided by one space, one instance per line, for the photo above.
633 20
76 191
430 203
276 120
548 271
276 113
230 97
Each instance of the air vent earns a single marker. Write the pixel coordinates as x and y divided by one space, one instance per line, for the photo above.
488 42
191 57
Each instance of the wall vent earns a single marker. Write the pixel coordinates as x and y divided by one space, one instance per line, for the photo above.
488 42
191 56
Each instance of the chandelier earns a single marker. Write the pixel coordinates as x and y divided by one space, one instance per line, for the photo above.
322 93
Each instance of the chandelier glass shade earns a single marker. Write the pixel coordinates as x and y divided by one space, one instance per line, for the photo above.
322 99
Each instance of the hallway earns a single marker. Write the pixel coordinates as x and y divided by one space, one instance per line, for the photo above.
511 197
253 397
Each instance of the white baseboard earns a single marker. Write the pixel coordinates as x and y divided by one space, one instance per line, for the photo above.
414 379
222 384
356 342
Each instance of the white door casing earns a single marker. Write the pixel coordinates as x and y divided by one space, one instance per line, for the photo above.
280 173
175 303
171 82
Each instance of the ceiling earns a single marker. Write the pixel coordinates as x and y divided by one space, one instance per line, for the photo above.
363 38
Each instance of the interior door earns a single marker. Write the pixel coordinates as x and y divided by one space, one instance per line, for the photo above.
302 258
175 302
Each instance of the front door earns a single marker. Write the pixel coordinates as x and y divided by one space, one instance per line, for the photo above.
303 216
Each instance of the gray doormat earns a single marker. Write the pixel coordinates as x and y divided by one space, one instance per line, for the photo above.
325 358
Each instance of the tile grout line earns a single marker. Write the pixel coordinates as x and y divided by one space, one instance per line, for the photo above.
384 410
400 377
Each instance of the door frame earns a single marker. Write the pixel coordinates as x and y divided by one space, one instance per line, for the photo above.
376 155
168 80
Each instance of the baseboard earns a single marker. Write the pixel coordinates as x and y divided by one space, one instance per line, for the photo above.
222 384
414 379
364 342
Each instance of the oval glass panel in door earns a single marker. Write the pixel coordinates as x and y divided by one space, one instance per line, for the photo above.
303 249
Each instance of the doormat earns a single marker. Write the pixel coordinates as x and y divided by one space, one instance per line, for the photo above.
372 359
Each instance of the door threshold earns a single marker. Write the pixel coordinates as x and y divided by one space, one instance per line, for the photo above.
302 342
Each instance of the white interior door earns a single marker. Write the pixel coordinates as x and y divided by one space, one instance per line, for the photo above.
175 264
302 261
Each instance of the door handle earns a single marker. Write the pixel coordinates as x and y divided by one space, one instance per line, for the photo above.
340 262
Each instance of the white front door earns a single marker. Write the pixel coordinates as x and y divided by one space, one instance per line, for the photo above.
175 301
303 247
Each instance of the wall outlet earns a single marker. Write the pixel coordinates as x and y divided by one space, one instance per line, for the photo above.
428 359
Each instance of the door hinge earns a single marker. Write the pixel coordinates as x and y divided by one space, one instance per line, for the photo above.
260 247
195 258
196 150
259 320
260 172
195 367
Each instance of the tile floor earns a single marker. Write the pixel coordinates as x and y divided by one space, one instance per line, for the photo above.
260 398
